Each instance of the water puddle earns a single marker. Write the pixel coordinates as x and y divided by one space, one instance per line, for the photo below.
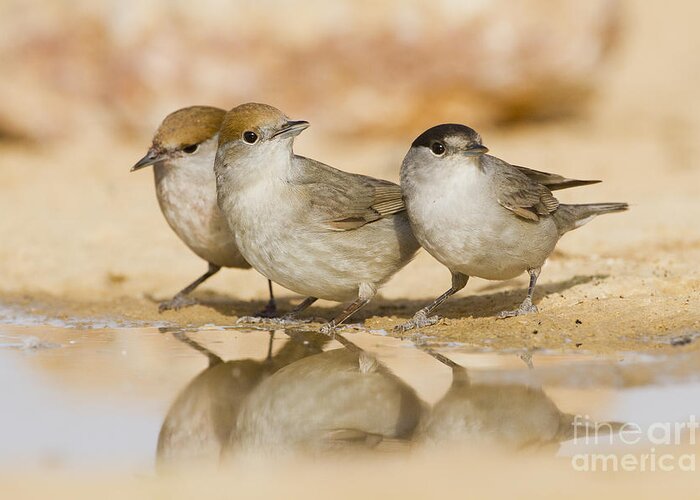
143 399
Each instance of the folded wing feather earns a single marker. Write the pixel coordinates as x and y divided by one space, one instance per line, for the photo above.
341 201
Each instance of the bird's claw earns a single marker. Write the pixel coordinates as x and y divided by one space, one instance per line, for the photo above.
329 329
177 302
419 320
286 320
526 307
253 320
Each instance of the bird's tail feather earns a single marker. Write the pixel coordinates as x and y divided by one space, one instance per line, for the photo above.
574 216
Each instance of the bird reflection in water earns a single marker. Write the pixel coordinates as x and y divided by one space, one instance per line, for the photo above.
499 415
303 400
202 416
342 399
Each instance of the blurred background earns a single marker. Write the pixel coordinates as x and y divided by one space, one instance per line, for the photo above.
355 67
600 89
597 89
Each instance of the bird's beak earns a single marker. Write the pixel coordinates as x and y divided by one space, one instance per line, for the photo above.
291 129
153 156
476 150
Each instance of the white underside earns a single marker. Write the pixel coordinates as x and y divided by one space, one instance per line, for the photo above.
456 217
187 197
275 235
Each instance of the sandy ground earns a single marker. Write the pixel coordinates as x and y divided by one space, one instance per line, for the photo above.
82 237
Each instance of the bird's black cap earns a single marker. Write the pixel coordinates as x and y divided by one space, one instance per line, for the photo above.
440 132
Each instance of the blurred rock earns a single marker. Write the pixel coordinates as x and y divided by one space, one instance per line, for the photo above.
116 67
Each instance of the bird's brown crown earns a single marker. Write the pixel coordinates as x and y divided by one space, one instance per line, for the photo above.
188 126
253 117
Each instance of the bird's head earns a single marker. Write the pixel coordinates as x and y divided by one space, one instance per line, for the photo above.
252 130
185 135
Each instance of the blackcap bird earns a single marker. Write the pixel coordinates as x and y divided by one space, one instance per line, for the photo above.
510 416
481 216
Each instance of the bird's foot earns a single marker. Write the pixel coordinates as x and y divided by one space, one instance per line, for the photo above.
177 302
252 320
419 320
286 320
329 329
526 307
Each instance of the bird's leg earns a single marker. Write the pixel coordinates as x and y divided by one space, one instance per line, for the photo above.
269 346
270 310
287 319
351 346
366 292
181 298
181 335
422 318
305 304
329 328
460 376
527 359
527 306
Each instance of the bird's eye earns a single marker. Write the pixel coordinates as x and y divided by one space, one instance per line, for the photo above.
438 148
190 148
250 137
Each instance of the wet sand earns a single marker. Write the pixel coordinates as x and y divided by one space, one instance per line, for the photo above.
639 297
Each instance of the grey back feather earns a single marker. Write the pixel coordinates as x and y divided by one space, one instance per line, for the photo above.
517 192
342 201
528 194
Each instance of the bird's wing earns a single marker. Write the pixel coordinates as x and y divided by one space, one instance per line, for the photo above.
553 181
341 201
520 194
